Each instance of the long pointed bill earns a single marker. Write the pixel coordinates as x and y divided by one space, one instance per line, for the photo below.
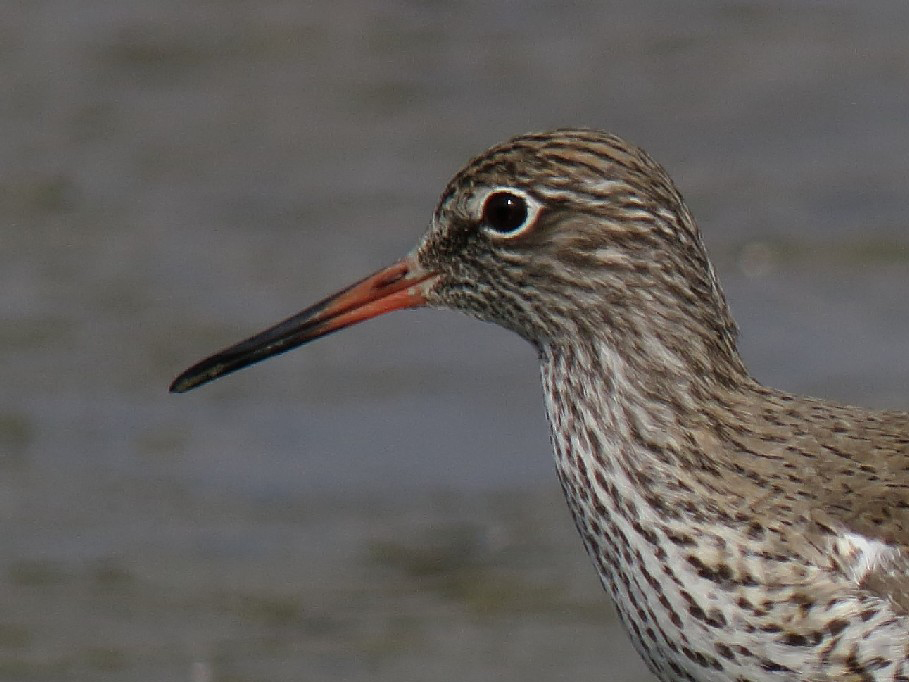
402 285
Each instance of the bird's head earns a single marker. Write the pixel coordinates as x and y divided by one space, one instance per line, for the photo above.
563 237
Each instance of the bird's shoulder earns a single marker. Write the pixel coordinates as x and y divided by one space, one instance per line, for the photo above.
840 476
850 462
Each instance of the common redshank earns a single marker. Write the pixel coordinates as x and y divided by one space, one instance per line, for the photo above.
744 534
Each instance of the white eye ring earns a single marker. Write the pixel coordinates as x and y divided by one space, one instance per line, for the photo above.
507 212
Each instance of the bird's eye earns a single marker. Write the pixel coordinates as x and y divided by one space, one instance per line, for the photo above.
506 213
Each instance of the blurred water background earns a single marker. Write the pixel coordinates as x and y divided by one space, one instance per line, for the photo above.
381 506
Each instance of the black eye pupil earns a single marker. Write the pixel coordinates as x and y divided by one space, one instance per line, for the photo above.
505 212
